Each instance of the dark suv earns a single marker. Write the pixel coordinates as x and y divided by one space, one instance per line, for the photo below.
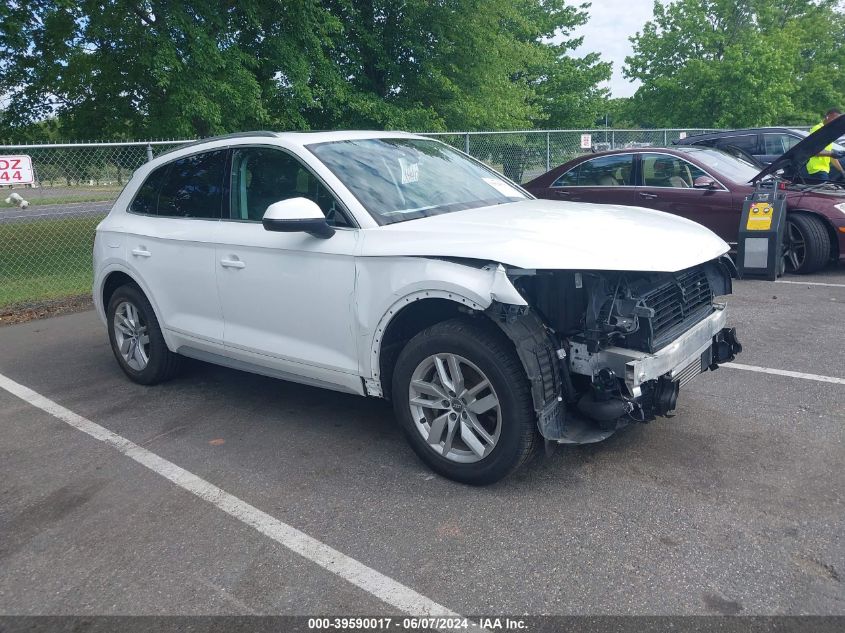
763 143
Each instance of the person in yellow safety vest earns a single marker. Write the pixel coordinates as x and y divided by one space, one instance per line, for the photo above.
818 167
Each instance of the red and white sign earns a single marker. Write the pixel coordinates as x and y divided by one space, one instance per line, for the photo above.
586 141
16 170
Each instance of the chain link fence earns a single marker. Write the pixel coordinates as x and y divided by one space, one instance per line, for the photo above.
47 229
522 156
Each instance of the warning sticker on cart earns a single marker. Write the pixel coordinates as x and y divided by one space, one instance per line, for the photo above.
760 217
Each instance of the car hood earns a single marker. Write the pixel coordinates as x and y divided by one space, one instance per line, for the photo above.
553 235
794 159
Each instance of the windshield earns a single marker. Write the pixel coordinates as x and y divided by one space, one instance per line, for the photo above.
398 179
723 163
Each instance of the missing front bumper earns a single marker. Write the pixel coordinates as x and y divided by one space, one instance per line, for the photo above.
702 347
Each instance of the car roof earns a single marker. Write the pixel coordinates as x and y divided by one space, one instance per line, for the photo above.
296 138
793 160
307 138
685 151
737 132
675 150
638 150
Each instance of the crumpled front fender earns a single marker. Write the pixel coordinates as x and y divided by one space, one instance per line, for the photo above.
385 286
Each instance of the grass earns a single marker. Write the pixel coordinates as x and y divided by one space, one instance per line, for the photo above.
45 260
44 196
82 197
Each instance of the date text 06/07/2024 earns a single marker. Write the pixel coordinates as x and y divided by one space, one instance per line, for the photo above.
455 623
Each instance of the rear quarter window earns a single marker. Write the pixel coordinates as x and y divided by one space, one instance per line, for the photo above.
146 200
567 179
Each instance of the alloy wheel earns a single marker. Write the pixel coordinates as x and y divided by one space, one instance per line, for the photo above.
455 408
131 337
795 249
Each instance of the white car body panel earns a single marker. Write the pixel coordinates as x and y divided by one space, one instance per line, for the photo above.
312 310
290 303
555 235
385 285
175 256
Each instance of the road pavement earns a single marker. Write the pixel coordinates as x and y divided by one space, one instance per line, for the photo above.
733 506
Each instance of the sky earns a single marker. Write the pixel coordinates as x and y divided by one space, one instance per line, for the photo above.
611 23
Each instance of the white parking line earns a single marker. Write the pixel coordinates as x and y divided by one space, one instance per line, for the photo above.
809 283
385 589
785 372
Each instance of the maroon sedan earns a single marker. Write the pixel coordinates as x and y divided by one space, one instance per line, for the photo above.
708 186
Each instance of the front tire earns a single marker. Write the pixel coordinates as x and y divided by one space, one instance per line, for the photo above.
807 244
462 398
136 338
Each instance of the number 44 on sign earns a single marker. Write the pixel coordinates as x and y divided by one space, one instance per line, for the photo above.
16 170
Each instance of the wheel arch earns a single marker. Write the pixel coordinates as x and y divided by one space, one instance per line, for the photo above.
113 279
423 291
519 328
406 318
112 282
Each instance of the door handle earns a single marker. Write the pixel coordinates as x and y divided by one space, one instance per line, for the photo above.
569 196
232 263
141 252
648 196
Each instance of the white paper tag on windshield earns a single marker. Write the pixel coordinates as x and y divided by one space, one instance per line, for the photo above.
502 187
410 171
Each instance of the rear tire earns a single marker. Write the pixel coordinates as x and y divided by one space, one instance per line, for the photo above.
463 401
807 244
136 339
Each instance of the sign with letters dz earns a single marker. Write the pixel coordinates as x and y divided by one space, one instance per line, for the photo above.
16 170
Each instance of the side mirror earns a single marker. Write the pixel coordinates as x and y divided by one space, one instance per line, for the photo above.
297 215
705 182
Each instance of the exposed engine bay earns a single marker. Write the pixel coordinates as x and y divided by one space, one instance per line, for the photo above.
606 349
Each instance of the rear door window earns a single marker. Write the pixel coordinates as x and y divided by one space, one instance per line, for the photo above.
777 144
604 171
745 142
193 187
663 170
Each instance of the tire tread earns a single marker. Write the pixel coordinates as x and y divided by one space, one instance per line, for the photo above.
817 242
167 363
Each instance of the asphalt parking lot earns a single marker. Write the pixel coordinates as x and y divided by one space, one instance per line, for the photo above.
734 506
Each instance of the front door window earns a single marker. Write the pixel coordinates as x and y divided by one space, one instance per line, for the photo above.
663 170
262 176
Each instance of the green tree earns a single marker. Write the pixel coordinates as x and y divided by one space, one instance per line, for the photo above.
462 64
729 63
44 131
119 69
569 87
619 114
124 68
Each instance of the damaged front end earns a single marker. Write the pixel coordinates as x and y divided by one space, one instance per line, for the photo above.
606 349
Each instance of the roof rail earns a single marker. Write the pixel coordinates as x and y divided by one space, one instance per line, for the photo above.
222 137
